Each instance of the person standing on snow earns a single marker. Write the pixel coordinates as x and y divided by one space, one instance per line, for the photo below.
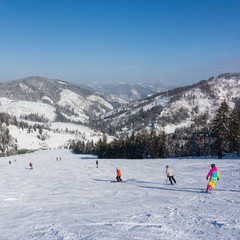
214 177
118 175
169 173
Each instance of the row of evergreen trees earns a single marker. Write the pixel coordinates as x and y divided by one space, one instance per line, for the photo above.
137 146
221 134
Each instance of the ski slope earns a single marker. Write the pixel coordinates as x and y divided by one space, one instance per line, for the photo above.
72 199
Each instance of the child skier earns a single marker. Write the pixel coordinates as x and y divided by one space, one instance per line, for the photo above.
118 175
214 177
169 173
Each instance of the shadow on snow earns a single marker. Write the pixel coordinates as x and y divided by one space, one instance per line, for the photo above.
195 190
192 190
101 180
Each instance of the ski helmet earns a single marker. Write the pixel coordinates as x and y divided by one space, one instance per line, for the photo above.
167 166
213 165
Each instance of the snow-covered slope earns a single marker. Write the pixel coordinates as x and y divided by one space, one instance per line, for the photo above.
71 199
20 108
56 135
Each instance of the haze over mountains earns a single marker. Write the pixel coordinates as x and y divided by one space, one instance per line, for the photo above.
126 92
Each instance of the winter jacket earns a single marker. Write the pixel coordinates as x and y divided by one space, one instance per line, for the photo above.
213 173
169 172
118 173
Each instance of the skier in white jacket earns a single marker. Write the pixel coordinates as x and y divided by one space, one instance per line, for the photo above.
170 176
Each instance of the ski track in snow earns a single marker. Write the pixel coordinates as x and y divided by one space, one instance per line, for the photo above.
71 199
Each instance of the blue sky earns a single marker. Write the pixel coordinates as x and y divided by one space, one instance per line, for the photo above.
80 41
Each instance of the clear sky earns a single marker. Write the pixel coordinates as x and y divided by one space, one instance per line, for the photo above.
81 41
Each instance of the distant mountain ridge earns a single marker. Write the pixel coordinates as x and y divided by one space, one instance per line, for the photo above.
54 99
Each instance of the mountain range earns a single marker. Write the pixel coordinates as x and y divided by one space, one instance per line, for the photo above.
39 99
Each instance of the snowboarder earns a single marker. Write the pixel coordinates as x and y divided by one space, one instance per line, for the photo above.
169 173
214 177
31 166
118 175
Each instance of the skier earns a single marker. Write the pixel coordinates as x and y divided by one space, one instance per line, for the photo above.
97 164
118 175
214 177
31 166
169 173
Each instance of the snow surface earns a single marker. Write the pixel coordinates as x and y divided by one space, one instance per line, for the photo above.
72 199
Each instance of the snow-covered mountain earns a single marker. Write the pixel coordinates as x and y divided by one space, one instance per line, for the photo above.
54 100
178 107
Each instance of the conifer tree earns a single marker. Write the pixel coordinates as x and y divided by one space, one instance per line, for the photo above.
220 128
234 130
144 145
102 147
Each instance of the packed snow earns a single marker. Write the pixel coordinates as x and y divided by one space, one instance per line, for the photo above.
66 197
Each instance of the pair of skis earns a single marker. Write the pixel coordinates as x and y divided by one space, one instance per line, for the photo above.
118 181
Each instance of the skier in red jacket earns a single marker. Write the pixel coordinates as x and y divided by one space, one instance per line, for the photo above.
31 166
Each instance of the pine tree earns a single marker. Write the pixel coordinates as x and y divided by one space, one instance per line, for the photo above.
102 147
220 128
132 144
234 130
143 145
